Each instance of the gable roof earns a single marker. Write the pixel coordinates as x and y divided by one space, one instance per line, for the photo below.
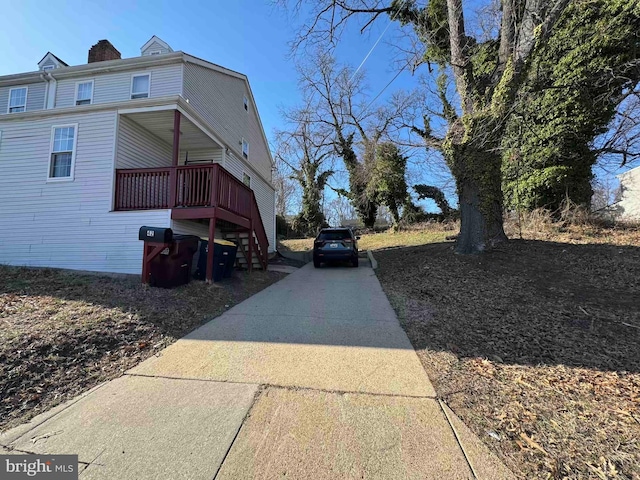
153 40
55 58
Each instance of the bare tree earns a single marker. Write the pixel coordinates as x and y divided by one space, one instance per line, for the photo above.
620 145
358 126
305 149
285 189
339 211
487 83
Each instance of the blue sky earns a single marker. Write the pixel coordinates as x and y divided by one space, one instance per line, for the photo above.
248 36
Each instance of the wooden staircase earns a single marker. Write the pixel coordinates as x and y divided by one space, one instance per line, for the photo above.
242 240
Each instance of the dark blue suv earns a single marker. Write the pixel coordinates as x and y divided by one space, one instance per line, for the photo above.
335 244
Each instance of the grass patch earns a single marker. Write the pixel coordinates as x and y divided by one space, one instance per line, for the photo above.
63 333
536 346
419 235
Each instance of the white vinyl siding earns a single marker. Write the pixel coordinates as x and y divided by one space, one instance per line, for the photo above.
67 224
138 148
218 98
116 87
265 196
35 97
213 155
234 165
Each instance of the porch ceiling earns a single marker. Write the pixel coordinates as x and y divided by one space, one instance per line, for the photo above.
160 124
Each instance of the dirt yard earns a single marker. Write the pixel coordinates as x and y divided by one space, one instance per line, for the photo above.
63 333
536 346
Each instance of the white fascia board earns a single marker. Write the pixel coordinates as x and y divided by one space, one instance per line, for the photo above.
130 106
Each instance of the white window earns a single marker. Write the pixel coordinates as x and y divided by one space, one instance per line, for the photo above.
17 100
246 179
155 52
84 93
46 68
140 86
245 148
63 152
246 102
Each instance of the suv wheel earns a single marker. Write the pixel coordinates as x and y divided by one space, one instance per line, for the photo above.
354 262
316 262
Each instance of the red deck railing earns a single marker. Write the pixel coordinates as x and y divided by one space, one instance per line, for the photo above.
189 186
142 188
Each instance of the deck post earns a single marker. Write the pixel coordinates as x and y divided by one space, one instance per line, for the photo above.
151 251
211 247
250 254
173 179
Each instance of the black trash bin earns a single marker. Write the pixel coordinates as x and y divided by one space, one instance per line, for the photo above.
173 266
232 249
221 253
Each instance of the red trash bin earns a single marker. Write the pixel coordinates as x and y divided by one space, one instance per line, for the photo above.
172 267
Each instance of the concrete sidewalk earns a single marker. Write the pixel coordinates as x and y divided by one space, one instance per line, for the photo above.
311 378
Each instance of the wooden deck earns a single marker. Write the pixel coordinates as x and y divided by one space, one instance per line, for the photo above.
194 192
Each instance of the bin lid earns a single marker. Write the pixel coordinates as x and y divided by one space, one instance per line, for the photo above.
184 238
224 242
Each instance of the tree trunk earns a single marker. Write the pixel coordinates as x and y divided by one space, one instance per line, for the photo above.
368 212
477 173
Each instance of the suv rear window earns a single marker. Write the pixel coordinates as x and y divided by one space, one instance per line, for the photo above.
334 235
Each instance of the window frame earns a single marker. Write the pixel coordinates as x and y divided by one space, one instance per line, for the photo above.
48 68
246 175
26 97
245 155
155 52
82 82
245 100
134 75
71 176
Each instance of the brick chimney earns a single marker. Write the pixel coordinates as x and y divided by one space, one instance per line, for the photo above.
103 51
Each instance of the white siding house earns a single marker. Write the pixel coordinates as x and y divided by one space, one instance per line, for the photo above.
83 128
628 208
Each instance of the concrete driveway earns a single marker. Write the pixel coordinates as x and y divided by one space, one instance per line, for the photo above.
311 378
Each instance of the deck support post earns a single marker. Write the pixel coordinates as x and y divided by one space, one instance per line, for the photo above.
210 249
151 251
250 244
173 179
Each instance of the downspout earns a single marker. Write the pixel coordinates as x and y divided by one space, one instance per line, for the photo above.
44 78
51 91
